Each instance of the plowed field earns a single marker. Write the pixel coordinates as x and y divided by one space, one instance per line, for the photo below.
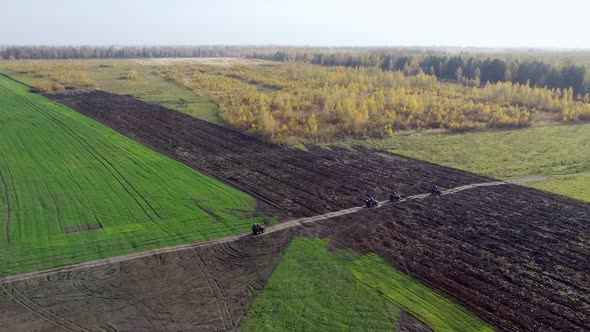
299 183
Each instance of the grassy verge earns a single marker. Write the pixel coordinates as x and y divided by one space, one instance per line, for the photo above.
561 153
575 186
120 77
313 289
73 190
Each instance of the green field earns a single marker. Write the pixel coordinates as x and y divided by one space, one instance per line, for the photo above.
314 289
73 190
148 85
559 153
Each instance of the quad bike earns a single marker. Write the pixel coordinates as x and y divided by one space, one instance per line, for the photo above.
371 202
435 191
395 197
257 229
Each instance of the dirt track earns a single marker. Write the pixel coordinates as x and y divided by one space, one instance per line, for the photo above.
518 257
486 246
269 230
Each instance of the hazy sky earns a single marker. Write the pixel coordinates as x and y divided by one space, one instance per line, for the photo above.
494 23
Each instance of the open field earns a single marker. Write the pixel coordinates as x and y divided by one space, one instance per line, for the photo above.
73 190
503 252
145 82
487 260
313 289
559 153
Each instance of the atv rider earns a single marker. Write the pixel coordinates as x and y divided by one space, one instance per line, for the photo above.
371 202
435 190
395 197
257 229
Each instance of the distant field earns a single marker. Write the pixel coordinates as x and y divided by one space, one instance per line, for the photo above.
121 77
73 190
313 289
561 153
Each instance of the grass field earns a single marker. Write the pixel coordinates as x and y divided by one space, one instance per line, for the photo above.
109 76
560 153
575 186
73 190
314 289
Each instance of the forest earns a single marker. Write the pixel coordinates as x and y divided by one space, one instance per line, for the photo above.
475 69
532 72
291 101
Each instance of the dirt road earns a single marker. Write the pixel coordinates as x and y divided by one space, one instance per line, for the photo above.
278 227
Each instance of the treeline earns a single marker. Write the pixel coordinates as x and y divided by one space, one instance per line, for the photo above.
468 69
292 101
123 52
131 52
533 72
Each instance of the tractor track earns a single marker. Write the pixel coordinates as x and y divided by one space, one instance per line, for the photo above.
127 186
7 203
107 165
42 313
220 303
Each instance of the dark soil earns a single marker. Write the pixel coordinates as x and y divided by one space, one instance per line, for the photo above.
408 323
517 257
299 183
203 289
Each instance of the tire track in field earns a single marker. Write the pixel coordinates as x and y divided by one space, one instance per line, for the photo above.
79 288
7 203
99 157
6 192
109 166
42 312
223 309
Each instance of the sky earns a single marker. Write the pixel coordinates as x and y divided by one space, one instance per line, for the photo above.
477 23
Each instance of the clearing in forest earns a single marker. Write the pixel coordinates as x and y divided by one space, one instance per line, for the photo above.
73 190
